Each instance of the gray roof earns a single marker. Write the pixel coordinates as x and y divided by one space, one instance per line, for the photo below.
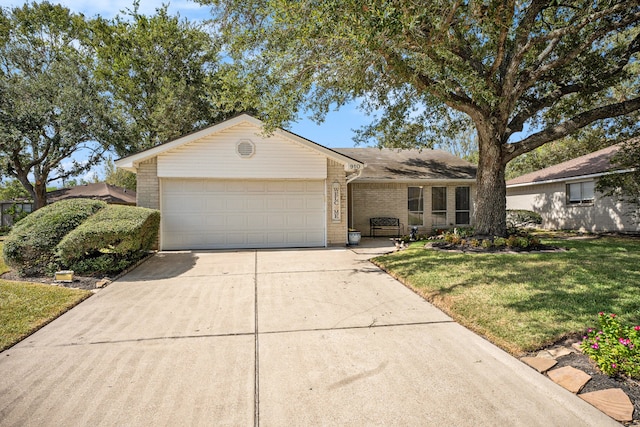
99 191
395 164
589 164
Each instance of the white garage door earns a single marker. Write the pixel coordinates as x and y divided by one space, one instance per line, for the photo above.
221 214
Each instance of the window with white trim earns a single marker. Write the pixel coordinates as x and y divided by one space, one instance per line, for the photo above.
416 205
463 203
580 192
439 205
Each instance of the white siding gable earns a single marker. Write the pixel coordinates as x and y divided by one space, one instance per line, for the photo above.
215 156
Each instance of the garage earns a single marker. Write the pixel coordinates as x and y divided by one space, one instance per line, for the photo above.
234 186
226 214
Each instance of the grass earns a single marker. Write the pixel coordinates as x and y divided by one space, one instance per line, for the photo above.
26 307
523 302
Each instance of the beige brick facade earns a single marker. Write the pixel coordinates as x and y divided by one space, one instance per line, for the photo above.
336 230
369 200
148 185
365 200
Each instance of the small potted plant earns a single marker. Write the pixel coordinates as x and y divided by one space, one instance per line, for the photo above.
354 236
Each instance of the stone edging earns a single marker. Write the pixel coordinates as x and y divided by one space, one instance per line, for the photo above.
613 401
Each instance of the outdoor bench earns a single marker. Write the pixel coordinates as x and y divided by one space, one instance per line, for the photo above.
384 223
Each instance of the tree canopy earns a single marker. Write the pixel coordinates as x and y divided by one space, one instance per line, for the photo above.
119 177
50 107
522 74
163 75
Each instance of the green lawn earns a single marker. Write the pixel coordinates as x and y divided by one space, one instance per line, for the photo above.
522 302
26 307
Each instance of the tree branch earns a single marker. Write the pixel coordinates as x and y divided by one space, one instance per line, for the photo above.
428 84
597 83
511 151
504 32
528 77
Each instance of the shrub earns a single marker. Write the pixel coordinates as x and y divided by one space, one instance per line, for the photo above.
486 243
110 241
522 218
500 242
452 238
615 348
29 248
522 241
512 241
464 231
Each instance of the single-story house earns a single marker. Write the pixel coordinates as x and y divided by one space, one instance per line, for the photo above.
565 195
99 191
231 186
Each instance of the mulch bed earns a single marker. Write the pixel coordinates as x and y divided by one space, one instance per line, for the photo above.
79 282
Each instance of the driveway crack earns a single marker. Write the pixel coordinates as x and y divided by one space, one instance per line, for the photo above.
256 393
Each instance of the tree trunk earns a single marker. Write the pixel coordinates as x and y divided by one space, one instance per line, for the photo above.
39 195
38 191
491 192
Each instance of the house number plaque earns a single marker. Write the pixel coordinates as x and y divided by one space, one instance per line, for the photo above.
335 202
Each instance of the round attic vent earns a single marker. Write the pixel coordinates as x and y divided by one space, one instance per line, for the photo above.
245 148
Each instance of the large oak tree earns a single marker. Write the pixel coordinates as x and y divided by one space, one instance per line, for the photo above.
522 73
50 107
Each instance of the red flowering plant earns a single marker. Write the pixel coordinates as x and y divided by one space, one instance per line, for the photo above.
615 347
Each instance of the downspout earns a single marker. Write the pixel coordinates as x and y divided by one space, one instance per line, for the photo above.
350 178
354 175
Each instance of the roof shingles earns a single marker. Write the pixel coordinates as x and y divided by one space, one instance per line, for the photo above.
392 164
100 191
589 164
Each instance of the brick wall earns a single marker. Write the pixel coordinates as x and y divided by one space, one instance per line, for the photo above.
377 200
336 230
369 200
148 185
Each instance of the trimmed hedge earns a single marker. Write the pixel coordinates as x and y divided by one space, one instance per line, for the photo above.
109 241
29 248
517 218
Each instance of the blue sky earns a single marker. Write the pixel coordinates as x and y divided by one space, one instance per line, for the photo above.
335 131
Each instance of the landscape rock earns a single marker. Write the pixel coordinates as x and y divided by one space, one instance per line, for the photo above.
613 402
570 378
540 364
103 283
559 351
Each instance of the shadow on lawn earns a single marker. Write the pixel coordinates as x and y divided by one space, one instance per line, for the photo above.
594 276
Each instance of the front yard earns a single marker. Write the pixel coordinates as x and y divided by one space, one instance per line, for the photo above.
526 301
26 307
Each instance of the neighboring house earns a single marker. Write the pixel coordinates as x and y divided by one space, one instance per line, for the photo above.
11 209
565 195
230 186
99 191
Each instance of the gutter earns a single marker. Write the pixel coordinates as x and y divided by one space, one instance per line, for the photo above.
421 181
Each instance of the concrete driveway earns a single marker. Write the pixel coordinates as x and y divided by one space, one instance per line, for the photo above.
270 338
